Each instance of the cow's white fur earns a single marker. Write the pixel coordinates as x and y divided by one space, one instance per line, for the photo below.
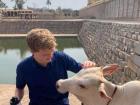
86 86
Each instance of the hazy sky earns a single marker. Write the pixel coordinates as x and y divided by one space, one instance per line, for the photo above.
74 4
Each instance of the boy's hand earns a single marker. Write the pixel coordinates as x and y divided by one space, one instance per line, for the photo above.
88 64
14 101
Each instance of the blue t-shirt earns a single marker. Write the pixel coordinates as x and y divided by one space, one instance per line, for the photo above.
41 81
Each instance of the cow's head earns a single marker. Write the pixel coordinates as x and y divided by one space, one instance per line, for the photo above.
87 82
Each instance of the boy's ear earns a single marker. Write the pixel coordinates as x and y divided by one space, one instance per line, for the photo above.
109 69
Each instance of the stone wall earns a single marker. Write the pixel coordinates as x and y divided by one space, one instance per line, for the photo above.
113 9
108 42
56 26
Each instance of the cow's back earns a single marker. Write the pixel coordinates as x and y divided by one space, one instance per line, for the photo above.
129 94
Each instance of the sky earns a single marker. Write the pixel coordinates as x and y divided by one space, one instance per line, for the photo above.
73 4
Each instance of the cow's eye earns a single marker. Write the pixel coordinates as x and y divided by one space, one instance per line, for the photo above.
82 86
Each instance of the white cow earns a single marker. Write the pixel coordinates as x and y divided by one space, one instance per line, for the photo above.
91 88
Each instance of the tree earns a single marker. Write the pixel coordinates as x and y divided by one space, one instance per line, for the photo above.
48 3
59 11
2 4
19 4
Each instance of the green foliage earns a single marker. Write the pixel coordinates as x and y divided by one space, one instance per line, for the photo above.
2 4
48 3
19 4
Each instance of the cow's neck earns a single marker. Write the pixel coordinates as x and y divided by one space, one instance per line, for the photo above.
110 90
96 99
109 87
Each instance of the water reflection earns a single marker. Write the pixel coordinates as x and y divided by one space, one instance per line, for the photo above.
12 50
13 44
20 44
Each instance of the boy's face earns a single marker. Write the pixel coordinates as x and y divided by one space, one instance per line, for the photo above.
43 56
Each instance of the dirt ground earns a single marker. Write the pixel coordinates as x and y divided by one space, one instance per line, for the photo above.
7 91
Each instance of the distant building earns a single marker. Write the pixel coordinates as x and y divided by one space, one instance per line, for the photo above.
70 14
39 13
91 2
111 9
45 13
24 13
75 13
95 2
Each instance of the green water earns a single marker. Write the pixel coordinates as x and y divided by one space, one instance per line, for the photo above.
13 50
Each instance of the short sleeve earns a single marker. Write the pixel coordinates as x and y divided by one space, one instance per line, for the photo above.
71 64
20 80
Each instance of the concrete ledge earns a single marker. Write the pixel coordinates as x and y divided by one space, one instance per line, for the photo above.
24 35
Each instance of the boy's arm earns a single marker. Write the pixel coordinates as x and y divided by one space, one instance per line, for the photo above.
19 93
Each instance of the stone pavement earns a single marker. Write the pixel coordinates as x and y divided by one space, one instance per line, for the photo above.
7 91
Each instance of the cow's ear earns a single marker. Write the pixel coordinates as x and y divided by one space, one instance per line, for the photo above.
102 92
109 69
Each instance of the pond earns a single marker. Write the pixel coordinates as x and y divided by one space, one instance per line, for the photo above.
13 50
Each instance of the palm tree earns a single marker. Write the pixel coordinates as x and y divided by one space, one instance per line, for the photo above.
48 3
19 4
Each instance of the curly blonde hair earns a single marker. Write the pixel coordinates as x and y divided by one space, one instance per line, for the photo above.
40 39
